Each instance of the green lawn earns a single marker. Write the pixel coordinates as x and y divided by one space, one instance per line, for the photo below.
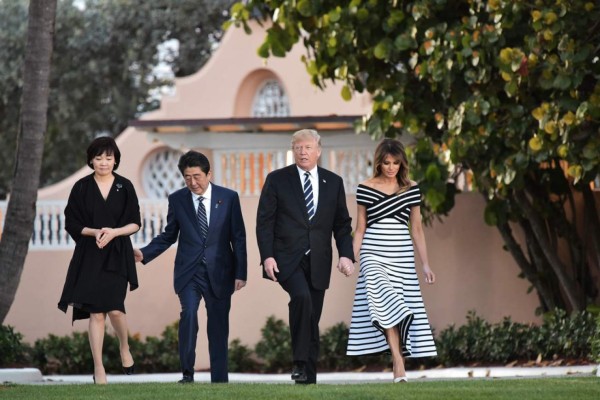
570 388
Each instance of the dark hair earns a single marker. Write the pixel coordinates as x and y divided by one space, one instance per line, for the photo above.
394 148
193 159
101 145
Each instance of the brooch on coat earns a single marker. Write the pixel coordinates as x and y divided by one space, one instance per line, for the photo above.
218 203
119 186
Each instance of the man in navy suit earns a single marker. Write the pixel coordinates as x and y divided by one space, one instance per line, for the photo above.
211 260
301 206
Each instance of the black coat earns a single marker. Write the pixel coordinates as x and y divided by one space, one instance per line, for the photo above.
284 232
97 278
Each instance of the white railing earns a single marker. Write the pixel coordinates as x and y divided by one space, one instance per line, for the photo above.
244 172
49 224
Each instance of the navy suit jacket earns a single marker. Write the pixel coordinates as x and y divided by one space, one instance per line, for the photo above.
224 248
283 230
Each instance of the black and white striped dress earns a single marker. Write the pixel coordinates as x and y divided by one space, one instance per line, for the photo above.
387 291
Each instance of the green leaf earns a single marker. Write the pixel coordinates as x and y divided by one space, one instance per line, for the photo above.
511 88
433 173
335 14
435 198
263 50
304 7
346 93
405 42
382 50
562 82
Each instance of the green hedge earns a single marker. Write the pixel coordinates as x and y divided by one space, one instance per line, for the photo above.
560 336
13 352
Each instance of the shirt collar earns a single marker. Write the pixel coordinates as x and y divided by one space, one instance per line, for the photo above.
312 172
207 194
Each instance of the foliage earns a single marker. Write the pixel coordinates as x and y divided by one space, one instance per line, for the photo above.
567 336
103 69
503 92
71 354
334 342
13 352
241 358
158 354
275 346
64 354
559 337
595 356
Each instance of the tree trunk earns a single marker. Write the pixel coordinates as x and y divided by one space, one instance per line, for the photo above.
567 285
529 271
20 213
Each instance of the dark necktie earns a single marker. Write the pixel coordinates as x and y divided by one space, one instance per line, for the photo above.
202 218
308 196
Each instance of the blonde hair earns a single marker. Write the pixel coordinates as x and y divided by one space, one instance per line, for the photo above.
394 148
306 133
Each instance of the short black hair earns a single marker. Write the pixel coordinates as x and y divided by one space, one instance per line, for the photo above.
193 159
101 145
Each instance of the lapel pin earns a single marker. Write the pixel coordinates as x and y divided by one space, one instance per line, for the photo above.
218 202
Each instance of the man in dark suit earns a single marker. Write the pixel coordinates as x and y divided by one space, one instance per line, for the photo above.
300 207
211 260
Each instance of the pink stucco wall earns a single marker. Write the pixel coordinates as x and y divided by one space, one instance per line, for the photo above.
473 271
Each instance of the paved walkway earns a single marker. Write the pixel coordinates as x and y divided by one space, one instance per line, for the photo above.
33 376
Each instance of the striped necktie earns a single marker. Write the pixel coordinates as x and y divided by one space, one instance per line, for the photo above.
202 218
308 196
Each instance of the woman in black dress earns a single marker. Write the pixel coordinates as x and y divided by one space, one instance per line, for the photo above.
101 213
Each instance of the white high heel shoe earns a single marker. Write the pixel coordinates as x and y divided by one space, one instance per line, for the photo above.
401 379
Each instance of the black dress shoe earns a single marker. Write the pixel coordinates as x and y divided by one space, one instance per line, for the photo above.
299 373
186 379
129 370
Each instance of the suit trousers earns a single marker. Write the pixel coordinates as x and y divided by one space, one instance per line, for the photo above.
305 306
217 326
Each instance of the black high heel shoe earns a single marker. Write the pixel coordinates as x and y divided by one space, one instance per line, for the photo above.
129 370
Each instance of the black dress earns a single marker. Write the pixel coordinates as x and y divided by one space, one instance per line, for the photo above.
97 278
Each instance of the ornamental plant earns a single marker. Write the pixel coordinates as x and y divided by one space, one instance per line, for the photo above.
504 93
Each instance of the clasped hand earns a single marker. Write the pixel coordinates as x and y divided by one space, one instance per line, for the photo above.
345 266
104 236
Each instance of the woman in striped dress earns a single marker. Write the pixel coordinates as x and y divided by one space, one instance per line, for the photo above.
388 314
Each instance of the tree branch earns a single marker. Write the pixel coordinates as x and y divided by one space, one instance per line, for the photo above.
537 226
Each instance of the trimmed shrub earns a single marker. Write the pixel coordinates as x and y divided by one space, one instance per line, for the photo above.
595 356
241 358
560 336
333 350
158 354
275 348
13 352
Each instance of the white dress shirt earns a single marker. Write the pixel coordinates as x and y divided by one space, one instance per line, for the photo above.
314 180
206 201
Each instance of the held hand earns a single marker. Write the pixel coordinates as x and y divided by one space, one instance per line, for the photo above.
138 255
429 275
105 237
271 268
345 266
239 284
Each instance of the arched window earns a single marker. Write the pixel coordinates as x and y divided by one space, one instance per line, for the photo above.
270 101
161 175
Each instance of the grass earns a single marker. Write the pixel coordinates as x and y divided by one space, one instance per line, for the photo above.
574 388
